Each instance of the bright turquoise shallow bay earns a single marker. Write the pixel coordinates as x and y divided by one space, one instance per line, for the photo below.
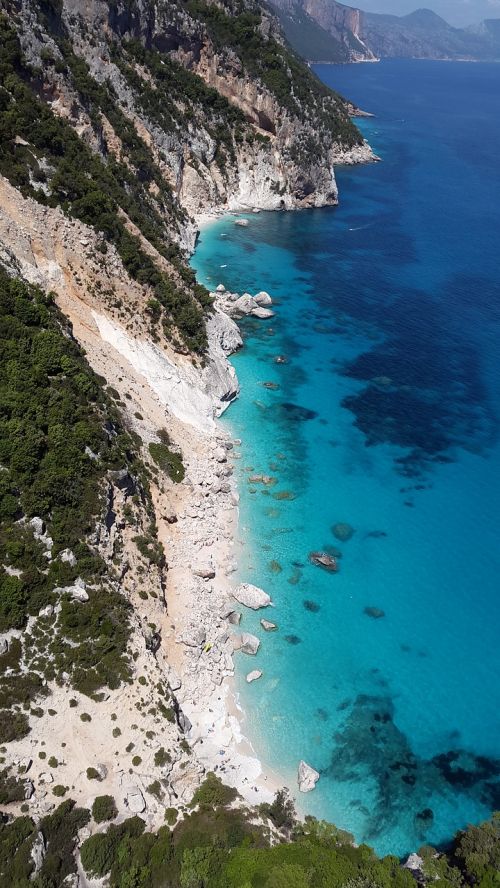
400 714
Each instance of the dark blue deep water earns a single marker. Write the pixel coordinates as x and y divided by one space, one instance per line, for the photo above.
385 416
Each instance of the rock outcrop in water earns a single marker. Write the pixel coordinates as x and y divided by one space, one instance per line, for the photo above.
322 559
307 777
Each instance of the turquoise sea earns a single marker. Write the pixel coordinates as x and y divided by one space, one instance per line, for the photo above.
386 417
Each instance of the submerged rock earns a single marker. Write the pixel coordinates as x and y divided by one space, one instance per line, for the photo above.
254 675
262 313
251 596
241 222
307 777
374 612
275 567
322 559
293 639
298 413
281 359
343 531
311 606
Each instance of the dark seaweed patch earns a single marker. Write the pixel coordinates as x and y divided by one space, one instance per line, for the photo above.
370 746
311 606
296 413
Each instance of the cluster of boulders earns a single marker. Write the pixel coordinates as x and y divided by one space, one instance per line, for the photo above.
238 307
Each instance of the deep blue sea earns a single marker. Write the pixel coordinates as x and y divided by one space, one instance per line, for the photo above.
386 417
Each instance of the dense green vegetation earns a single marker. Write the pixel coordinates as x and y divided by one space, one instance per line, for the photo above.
60 436
56 167
59 831
223 846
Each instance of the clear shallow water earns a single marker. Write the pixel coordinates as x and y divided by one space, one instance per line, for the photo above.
388 309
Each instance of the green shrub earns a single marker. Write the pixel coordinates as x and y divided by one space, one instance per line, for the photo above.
162 757
59 790
155 789
93 774
171 815
213 793
168 461
136 761
104 808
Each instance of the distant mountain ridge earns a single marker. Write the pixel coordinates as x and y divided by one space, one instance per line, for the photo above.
324 30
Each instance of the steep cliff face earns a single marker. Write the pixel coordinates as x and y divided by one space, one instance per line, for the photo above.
355 35
422 34
345 23
135 117
269 145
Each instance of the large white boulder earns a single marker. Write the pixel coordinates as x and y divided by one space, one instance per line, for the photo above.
250 644
244 305
134 800
262 313
307 777
263 298
251 596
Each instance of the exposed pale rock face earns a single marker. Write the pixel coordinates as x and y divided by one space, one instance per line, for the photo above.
134 800
205 572
194 638
307 777
251 596
194 396
38 852
414 863
77 591
68 557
